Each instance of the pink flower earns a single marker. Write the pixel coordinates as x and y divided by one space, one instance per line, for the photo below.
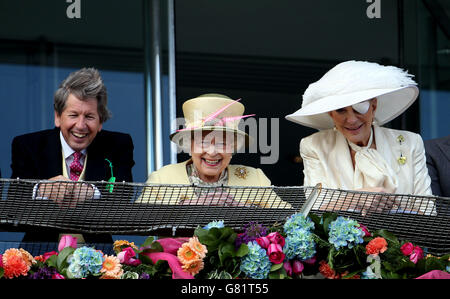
275 253
58 276
310 261
365 230
264 242
416 255
297 267
67 241
287 266
407 248
48 254
276 238
128 257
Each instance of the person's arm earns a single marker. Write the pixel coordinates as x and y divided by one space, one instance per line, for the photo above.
22 164
422 180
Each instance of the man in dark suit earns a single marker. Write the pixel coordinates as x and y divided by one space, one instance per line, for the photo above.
438 162
76 150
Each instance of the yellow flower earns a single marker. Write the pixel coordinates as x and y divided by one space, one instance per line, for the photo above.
198 247
121 244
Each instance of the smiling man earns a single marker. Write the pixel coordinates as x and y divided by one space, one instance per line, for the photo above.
77 149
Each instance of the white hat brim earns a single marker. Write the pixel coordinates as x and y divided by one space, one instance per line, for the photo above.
391 103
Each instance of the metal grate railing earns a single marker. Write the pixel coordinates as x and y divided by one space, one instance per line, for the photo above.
137 208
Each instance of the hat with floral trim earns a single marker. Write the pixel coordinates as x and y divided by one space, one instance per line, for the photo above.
211 112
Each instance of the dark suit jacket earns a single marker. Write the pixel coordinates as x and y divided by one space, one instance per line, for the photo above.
38 155
438 163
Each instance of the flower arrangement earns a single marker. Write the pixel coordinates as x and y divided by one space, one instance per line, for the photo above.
326 246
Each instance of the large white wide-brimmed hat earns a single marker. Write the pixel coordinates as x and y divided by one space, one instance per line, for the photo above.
352 82
211 112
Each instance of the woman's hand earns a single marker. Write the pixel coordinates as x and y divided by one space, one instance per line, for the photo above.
369 203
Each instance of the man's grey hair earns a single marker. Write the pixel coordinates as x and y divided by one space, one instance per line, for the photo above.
85 84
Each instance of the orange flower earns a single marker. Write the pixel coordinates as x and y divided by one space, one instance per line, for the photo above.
186 254
376 246
14 264
111 268
198 247
326 270
27 257
194 266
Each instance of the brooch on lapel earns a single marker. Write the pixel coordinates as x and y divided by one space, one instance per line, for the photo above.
402 159
241 172
112 179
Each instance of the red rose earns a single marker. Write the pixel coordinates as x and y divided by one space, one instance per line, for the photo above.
276 238
264 242
275 253
407 248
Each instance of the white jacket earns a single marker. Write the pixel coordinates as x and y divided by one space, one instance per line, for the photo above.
326 159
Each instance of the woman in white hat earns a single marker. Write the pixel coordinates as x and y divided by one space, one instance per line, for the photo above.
211 136
352 151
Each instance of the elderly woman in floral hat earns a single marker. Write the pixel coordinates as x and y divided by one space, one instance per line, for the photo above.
352 150
211 136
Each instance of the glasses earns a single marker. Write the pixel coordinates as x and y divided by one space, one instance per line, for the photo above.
220 147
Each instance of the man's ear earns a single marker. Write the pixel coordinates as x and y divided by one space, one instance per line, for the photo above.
57 120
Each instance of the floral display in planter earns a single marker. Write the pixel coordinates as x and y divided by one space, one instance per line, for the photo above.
327 246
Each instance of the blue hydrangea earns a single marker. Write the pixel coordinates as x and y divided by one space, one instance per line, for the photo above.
218 224
345 232
256 263
85 261
299 244
296 221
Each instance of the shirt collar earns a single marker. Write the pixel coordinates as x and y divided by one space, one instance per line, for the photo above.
67 150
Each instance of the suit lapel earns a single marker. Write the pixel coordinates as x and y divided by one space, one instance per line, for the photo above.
387 148
445 148
96 163
51 156
341 158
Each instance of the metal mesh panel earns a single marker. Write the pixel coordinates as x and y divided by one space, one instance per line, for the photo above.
136 208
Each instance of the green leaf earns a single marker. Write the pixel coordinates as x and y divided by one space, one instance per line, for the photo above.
145 259
390 237
148 242
242 251
327 219
51 261
276 267
61 261
2 271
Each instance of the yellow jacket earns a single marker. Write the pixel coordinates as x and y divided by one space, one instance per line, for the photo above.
238 175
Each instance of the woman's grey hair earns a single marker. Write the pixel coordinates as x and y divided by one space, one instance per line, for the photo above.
85 84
